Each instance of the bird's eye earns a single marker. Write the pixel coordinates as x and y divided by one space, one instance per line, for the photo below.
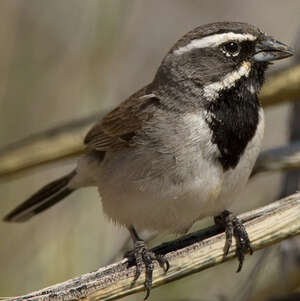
231 48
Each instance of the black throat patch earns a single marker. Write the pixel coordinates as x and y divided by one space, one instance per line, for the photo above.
233 119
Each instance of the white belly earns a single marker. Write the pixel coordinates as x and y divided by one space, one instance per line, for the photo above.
160 203
169 192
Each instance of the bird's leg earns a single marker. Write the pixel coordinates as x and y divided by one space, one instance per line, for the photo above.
145 257
233 227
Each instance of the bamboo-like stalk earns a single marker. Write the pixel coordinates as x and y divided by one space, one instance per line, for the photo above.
281 87
278 159
66 140
187 255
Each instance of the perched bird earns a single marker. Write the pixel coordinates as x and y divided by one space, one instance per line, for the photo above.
181 148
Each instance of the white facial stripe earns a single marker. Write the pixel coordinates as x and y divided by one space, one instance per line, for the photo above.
211 91
214 41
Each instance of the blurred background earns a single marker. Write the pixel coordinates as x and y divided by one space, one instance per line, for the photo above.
61 60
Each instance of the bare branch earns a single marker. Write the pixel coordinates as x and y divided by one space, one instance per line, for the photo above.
187 255
278 159
66 140
281 87
52 145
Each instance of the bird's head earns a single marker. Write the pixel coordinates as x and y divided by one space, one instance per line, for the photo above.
217 56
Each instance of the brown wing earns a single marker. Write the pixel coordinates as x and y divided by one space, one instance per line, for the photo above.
118 127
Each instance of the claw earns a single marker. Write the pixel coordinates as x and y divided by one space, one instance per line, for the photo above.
144 257
163 262
138 254
148 280
233 227
241 258
148 289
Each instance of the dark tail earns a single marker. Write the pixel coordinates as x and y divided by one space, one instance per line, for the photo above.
45 198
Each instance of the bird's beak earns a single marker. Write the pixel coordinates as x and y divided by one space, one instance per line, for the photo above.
269 49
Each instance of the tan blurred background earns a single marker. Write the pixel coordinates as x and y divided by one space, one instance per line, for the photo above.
61 60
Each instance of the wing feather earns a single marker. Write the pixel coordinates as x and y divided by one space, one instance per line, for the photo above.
118 127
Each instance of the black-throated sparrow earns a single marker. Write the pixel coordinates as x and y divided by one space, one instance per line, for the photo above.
180 148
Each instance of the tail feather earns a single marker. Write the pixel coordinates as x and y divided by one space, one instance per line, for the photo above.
43 199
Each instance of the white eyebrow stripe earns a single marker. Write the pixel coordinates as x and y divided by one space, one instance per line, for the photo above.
214 41
211 91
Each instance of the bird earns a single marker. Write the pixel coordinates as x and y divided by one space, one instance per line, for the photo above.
182 147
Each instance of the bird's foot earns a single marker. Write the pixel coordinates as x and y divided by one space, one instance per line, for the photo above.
233 227
144 257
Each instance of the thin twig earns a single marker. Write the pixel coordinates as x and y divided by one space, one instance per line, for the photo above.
187 255
281 87
278 159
